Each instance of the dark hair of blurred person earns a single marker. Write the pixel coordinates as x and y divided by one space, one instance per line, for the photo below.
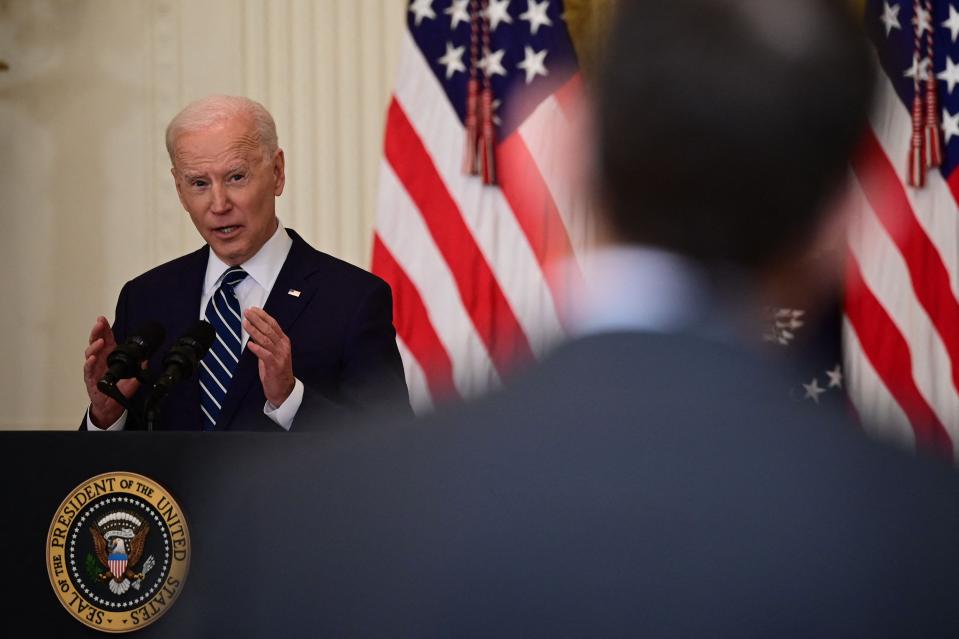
725 126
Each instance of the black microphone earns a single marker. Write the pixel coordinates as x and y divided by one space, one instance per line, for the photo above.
178 365
124 362
182 359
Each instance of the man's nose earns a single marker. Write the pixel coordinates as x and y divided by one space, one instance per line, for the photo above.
221 200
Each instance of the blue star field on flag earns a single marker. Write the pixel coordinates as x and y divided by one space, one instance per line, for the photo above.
529 49
891 26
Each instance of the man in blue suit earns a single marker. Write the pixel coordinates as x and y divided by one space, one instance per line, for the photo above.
297 331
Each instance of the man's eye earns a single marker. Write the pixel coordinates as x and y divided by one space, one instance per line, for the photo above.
236 177
198 183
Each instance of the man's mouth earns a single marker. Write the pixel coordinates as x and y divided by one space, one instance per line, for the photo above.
226 231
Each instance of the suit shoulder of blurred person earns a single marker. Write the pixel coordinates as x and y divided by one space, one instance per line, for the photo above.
651 484
666 483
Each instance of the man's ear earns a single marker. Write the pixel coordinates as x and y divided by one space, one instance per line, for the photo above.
279 172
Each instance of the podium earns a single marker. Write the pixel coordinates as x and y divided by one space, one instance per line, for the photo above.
204 473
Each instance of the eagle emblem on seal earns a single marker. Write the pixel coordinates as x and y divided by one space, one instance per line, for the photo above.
118 541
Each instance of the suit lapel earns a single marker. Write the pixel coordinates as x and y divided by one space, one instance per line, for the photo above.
285 308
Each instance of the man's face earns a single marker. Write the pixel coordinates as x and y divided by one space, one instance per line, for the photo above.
228 187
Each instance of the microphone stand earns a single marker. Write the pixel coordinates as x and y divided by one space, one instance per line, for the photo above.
152 405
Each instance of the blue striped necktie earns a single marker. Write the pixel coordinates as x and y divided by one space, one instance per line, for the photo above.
216 368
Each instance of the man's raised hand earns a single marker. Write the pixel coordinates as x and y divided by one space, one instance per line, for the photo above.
104 410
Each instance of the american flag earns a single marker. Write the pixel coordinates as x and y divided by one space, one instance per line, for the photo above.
472 205
901 328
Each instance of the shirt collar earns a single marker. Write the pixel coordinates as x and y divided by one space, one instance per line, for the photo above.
642 288
263 268
636 288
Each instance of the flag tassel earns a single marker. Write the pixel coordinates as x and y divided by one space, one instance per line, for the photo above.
917 166
472 129
932 143
487 139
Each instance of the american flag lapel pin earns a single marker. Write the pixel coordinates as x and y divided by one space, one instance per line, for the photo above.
293 292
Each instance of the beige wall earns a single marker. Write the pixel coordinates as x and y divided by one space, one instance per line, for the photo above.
86 198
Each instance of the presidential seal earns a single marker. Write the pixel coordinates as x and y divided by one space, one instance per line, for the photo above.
118 551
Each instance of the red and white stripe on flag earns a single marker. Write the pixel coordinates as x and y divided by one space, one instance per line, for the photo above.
468 262
901 328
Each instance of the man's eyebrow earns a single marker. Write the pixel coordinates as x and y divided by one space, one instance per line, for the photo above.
233 168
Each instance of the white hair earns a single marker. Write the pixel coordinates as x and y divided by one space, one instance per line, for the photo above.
215 108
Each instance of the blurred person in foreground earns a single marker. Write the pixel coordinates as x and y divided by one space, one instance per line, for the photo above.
651 478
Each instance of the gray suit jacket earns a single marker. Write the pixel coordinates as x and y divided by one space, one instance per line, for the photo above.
634 484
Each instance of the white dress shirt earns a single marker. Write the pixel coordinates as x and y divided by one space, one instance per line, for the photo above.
262 270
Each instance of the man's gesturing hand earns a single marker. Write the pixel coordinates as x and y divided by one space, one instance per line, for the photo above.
103 410
272 347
